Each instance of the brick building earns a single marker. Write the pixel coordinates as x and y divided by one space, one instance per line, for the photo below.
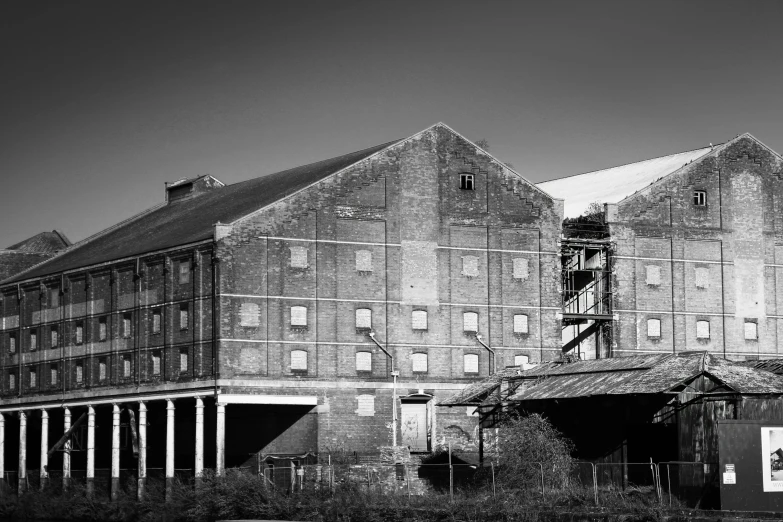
24 254
328 306
693 243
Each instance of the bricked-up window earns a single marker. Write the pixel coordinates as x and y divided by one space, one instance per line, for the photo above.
184 272
79 372
53 375
520 360
54 336
363 261
471 363
419 362
702 277
363 318
183 361
103 332
12 343
751 331
702 329
79 333
521 268
11 381
653 275
156 362
102 369
299 257
33 379
183 316
520 324
54 297
470 322
470 266
365 405
298 316
699 198
156 321
654 328
363 361
249 315
126 365
126 326
298 360
467 182
419 319
33 340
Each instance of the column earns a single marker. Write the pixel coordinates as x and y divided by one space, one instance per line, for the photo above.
142 478
44 472
2 452
66 449
90 450
22 486
199 465
115 452
169 447
220 440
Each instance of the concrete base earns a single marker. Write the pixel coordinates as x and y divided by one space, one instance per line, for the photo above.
90 487
169 488
115 488
141 486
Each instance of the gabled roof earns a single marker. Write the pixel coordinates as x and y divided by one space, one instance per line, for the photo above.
191 220
43 243
617 183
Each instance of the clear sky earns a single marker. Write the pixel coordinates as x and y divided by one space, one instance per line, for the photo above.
102 102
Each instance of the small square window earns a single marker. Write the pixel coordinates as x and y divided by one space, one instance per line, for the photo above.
299 316
183 317
363 318
521 268
467 182
103 332
470 266
79 373
470 322
363 261
419 319
156 321
419 362
298 257
298 360
702 329
520 324
183 361
156 363
521 360
751 331
653 275
471 363
654 328
363 361
699 198
79 333
184 272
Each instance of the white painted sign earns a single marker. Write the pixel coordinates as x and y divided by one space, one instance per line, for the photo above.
729 478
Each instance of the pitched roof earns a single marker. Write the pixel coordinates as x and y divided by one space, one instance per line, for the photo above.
474 393
43 243
190 220
617 183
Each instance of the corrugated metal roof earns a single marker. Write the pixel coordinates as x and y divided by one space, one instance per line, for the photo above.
770 365
617 183
474 393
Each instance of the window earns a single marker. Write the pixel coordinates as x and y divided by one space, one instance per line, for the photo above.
702 277
363 361
751 331
156 321
11 381
33 341
298 360
521 268
156 363
699 198
79 372
184 272
520 324
54 337
470 322
54 297
419 319
299 316
363 261
471 363
702 329
126 365
467 182
365 405
53 375
126 326
470 266
183 317
653 275
249 315
102 369
521 360
419 362
298 257
363 318
33 379
103 332
654 328
183 361
12 343
79 332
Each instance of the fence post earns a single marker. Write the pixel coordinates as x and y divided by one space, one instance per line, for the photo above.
494 493
451 476
540 465
595 484
669 484
408 481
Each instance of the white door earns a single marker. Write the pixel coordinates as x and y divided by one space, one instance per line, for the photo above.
414 425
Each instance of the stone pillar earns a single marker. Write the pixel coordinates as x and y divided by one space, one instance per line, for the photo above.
2 453
66 449
142 477
169 447
44 471
115 452
199 464
22 486
90 450
220 440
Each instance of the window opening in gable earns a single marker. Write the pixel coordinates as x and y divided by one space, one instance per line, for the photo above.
363 261
699 198
467 182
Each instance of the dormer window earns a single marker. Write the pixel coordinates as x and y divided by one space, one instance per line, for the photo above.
699 198
467 182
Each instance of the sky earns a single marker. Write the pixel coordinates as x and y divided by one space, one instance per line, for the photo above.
102 102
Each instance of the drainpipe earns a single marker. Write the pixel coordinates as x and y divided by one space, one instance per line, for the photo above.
491 351
394 374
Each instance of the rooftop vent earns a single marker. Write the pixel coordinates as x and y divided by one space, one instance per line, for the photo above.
185 188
